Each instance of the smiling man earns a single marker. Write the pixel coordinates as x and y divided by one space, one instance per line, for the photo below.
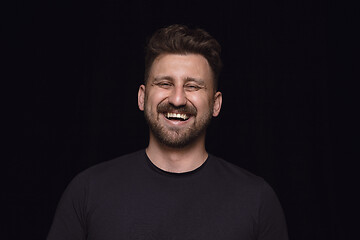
179 100
173 189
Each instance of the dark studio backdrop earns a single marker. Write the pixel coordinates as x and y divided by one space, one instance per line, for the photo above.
74 69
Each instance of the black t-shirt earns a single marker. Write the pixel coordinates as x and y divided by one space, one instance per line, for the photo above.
130 198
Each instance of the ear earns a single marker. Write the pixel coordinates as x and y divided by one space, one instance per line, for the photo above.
141 97
217 104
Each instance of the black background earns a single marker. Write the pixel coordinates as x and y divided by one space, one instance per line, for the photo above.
74 67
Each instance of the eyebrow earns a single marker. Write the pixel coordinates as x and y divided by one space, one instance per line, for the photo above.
156 79
187 79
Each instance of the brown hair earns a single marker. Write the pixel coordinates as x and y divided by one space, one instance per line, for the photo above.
179 39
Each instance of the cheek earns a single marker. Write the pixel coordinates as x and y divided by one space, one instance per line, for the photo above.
153 99
201 102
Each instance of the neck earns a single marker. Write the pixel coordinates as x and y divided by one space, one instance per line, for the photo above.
177 160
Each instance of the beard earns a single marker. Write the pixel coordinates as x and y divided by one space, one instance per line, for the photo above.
177 137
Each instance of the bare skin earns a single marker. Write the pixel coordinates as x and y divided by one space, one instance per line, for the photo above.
179 81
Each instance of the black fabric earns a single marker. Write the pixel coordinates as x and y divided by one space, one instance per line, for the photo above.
130 198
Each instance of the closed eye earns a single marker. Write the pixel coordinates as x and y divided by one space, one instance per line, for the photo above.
164 84
192 87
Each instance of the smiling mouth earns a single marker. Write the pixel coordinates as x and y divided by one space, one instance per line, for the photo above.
177 116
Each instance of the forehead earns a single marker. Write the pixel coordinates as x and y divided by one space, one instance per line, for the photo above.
181 66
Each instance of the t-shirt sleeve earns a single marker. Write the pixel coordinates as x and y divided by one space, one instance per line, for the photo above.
272 224
70 217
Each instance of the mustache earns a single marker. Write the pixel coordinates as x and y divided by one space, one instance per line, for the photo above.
166 107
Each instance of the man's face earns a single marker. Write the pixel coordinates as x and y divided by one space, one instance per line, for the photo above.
179 99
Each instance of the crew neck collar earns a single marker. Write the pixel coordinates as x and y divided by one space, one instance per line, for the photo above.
174 174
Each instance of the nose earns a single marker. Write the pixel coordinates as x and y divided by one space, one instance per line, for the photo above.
177 96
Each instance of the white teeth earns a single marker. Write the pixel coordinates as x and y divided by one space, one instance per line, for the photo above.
176 115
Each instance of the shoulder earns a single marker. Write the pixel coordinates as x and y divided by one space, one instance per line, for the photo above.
245 184
229 170
116 164
239 179
110 170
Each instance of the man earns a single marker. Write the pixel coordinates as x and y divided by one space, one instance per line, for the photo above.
173 189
